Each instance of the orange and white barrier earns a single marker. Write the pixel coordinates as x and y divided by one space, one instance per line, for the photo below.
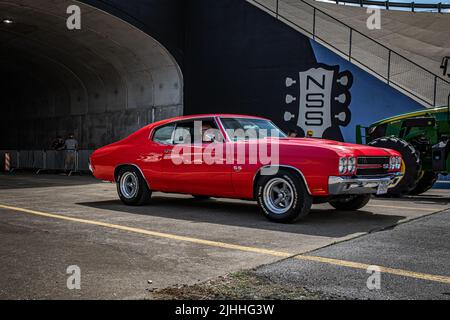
7 162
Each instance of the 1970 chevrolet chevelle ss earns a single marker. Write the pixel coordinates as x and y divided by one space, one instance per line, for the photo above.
245 157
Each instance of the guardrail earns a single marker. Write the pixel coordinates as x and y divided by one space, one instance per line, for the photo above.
372 56
438 7
47 160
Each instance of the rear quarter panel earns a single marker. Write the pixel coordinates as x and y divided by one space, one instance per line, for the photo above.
128 151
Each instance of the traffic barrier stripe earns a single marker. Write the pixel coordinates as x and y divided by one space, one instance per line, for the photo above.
7 161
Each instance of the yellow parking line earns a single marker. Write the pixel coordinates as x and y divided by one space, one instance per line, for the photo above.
152 233
404 208
335 262
363 266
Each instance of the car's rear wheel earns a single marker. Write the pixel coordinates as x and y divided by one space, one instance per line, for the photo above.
411 164
351 203
131 187
283 197
425 183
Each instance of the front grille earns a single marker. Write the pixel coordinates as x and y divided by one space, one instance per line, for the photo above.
369 166
373 160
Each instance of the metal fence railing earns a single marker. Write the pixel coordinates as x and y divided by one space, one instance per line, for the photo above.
372 56
46 160
411 6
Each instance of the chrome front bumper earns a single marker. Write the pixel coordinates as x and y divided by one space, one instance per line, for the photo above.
361 185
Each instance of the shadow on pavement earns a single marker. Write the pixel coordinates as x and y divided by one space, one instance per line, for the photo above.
320 222
24 180
420 200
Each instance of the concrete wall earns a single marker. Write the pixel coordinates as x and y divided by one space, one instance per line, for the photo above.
101 83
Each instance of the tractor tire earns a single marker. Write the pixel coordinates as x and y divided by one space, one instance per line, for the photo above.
351 203
411 166
425 183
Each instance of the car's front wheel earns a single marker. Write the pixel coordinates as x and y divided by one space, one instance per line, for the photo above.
351 203
131 187
283 197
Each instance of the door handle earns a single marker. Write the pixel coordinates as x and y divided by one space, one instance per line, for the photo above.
167 151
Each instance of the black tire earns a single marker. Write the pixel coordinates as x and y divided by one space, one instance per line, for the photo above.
411 159
142 193
295 197
201 197
425 183
351 203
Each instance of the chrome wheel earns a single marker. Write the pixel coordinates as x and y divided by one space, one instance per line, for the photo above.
278 195
129 185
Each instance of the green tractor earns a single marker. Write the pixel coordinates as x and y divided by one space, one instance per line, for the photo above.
422 138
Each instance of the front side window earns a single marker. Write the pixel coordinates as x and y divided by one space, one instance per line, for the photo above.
250 129
164 134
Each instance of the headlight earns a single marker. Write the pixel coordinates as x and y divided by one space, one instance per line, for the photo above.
351 165
399 163
392 163
343 165
395 163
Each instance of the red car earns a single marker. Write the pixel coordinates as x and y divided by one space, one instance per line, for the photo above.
245 157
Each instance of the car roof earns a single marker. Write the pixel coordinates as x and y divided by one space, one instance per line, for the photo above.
201 116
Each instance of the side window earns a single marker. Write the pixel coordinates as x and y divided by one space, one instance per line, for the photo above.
164 134
184 133
197 131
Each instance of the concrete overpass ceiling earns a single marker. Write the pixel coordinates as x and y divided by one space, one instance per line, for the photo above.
108 66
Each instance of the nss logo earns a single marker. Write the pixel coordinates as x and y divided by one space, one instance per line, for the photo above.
323 99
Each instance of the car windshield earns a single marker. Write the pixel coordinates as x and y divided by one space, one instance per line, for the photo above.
250 129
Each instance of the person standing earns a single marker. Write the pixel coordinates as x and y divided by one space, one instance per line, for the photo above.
57 143
71 147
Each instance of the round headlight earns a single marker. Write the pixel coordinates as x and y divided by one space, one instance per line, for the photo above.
343 165
351 165
399 163
392 163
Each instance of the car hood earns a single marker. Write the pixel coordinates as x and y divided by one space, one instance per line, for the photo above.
342 148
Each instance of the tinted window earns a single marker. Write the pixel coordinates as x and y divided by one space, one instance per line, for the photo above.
164 134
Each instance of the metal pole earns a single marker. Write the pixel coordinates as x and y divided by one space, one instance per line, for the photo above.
350 45
44 162
435 91
389 68
314 24
276 12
